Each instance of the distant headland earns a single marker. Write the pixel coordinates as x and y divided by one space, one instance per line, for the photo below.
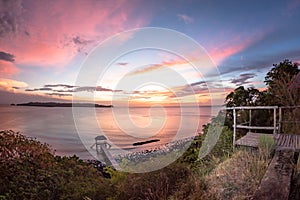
56 104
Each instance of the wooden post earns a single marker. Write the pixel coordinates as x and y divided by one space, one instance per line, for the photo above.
250 117
274 131
280 120
234 127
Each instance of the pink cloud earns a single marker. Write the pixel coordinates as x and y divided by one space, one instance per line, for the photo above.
7 69
11 85
54 31
220 53
169 63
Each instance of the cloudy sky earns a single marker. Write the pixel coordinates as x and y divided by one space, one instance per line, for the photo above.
43 45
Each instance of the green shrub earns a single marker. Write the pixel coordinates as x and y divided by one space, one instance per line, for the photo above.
158 184
29 170
266 145
217 146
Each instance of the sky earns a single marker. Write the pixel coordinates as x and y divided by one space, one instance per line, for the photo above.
45 44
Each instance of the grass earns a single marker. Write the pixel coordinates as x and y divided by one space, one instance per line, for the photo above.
237 177
266 145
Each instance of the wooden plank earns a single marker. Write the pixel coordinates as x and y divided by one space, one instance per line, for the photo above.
280 140
251 107
276 181
256 127
284 140
292 141
288 141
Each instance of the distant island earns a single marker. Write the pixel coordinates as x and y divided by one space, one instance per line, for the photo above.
56 104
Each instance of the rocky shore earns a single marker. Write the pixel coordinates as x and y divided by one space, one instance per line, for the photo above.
143 155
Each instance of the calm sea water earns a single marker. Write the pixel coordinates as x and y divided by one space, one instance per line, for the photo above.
72 132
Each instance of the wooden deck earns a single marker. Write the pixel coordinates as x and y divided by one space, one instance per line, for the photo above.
289 141
286 141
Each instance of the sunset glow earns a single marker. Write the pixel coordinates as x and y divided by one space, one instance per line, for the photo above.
43 45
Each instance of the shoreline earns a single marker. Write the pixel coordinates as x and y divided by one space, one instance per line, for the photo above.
145 154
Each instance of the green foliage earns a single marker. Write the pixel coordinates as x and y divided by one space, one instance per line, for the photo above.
279 92
246 97
292 117
212 136
243 97
279 80
216 153
220 152
29 170
158 184
266 145
285 69
192 153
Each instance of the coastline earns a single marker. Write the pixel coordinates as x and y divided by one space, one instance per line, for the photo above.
146 154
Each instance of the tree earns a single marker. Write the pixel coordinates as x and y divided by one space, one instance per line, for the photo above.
278 80
243 97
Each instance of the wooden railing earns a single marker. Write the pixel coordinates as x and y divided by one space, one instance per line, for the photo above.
250 127
276 127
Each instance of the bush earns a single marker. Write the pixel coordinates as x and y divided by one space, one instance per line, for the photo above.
266 145
158 184
30 170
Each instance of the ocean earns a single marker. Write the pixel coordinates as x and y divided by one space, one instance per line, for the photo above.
72 131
